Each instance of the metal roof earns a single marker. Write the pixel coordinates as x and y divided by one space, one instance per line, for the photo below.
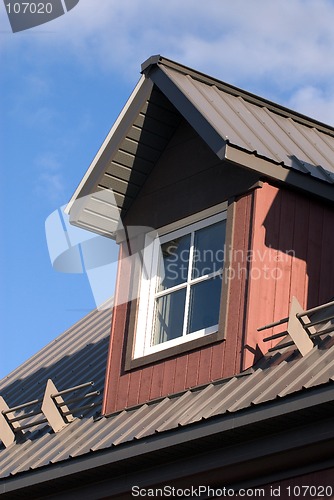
75 357
80 353
224 117
260 129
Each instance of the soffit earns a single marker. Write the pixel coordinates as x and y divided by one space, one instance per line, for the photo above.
124 164
220 113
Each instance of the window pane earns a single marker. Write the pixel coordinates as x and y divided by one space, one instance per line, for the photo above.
209 249
204 304
169 316
174 266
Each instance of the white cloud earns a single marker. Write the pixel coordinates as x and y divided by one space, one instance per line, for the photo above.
50 182
272 32
275 48
314 102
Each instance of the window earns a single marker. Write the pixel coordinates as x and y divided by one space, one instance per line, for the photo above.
181 285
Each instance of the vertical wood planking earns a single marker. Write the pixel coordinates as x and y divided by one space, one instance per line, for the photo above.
169 376
204 367
134 388
122 395
299 279
282 268
157 380
118 326
281 221
146 383
261 291
314 252
236 280
299 231
240 338
192 369
180 373
326 291
217 361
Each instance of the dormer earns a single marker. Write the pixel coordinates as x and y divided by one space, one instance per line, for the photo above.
222 205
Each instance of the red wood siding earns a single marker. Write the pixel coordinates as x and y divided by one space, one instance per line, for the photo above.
237 280
293 248
282 246
128 388
186 166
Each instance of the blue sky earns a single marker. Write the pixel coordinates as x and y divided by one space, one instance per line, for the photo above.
62 87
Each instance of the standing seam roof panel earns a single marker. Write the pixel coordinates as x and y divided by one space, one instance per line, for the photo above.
307 374
83 436
283 136
268 378
205 399
253 121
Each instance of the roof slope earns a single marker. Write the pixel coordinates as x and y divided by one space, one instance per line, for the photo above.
259 127
75 357
278 379
228 119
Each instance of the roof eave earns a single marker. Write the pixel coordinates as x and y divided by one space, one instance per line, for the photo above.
158 73
114 137
297 402
279 173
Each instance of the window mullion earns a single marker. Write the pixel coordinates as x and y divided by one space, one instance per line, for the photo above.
190 265
206 277
151 312
170 290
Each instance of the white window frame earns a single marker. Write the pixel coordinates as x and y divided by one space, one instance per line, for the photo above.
148 294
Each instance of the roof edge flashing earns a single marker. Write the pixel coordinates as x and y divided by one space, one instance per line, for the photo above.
114 136
151 61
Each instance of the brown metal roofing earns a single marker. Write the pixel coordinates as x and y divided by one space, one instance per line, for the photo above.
221 114
75 357
259 127
80 354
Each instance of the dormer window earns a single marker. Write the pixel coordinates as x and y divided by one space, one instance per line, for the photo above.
181 285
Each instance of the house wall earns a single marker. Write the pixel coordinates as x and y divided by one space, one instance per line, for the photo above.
187 179
126 388
281 245
293 245
187 166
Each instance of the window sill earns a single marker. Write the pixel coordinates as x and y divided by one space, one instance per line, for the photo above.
174 351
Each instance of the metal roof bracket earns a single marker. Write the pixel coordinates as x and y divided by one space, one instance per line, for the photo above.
7 434
296 330
52 402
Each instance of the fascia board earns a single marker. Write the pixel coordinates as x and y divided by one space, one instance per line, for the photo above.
215 426
279 172
163 78
112 141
